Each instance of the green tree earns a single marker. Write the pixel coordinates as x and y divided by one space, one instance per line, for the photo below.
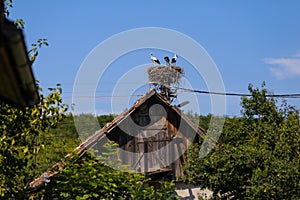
19 141
89 178
20 131
258 155
62 139
88 124
202 120
58 142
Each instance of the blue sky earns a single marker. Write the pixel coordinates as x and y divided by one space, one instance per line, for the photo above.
249 41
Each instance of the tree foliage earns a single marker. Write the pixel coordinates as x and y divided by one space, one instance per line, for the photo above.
89 178
88 124
58 142
62 139
19 143
258 156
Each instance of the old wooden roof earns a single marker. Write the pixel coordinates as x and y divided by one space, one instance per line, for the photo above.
109 127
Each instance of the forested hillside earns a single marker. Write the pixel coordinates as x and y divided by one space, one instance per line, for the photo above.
63 139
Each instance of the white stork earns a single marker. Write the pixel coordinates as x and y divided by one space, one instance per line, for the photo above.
167 60
154 59
174 59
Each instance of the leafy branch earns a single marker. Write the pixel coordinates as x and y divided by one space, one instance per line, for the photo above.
33 53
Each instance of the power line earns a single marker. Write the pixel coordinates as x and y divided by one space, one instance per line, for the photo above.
239 94
191 90
100 96
295 95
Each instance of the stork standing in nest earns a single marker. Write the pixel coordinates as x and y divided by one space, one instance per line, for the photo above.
174 59
167 60
154 59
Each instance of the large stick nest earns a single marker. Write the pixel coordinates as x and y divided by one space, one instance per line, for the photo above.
164 75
